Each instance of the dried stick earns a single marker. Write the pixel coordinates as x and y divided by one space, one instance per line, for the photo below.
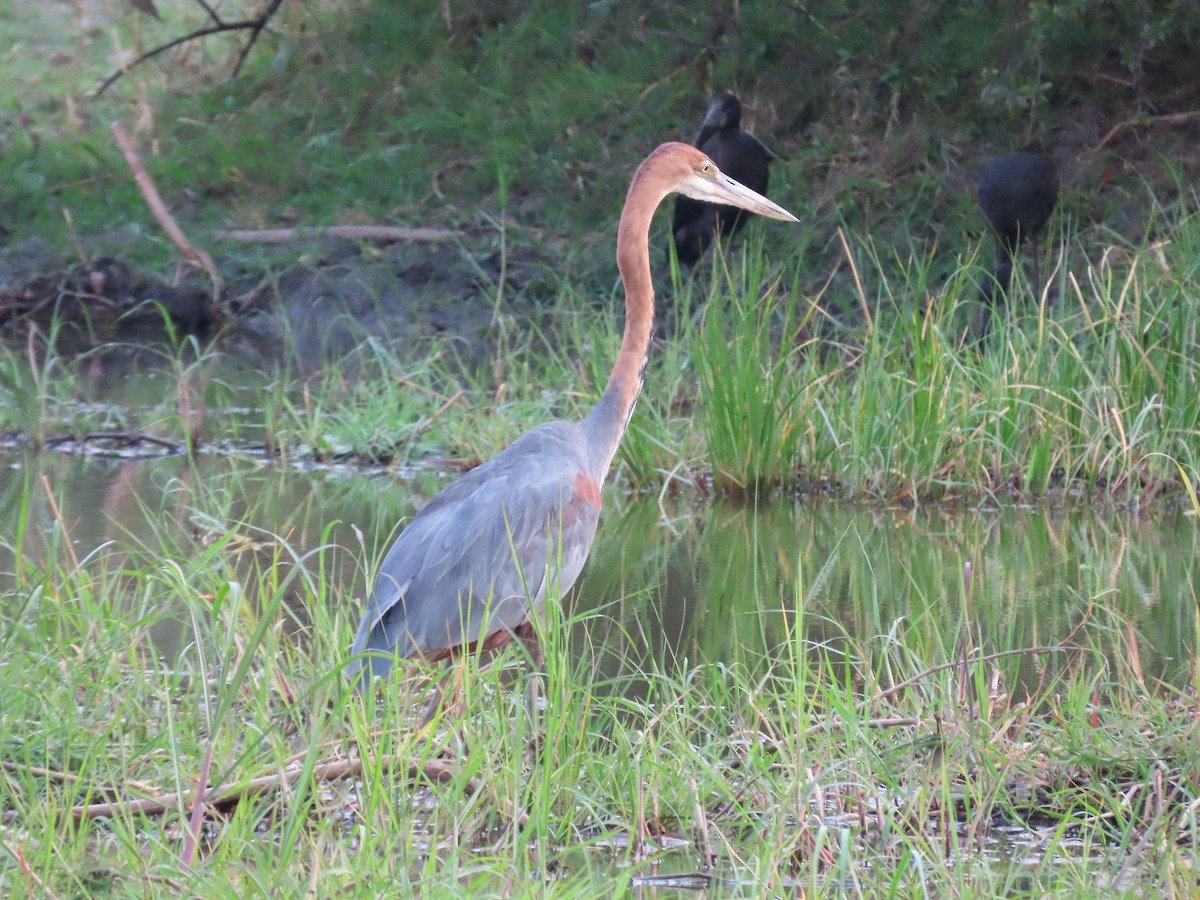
1143 121
350 232
212 13
226 795
68 778
155 201
52 774
255 26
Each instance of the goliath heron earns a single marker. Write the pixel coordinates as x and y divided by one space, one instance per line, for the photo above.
479 560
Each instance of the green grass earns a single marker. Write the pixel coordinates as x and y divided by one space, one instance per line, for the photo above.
889 754
756 385
538 111
750 395
883 746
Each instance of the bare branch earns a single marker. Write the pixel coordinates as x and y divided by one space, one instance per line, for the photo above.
255 26
155 201
350 232
255 31
1143 121
227 795
145 6
212 13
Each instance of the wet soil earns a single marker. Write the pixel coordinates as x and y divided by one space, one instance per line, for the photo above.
336 294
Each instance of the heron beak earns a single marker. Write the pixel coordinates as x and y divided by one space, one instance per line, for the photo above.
723 189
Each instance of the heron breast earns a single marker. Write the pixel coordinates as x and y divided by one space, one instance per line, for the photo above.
587 490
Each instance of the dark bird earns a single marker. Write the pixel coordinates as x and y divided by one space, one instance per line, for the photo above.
1017 193
738 154
480 559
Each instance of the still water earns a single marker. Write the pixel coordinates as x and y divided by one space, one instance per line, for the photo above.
681 580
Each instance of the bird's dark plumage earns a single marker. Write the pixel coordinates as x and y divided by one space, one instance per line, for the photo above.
739 155
1017 193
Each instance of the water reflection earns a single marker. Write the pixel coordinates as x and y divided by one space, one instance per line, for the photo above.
702 583
728 578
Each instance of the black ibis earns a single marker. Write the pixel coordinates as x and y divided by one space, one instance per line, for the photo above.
1017 193
738 154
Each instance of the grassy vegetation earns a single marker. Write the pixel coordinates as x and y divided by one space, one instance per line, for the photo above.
946 749
829 355
896 746
534 114
1090 387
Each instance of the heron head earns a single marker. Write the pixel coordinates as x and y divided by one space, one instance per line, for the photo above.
697 176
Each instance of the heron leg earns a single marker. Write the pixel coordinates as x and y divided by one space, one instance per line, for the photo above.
436 693
533 688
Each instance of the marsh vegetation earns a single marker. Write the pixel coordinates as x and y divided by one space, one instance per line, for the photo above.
878 605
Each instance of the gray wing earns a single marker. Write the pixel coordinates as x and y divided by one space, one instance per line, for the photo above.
483 552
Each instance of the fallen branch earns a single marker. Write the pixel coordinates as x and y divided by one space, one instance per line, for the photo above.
255 26
68 778
1143 121
155 201
437 770
51 774
350 232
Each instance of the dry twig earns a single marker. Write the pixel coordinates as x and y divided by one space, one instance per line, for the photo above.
350 232
255 26
51 774
1142 121
155 201
226 795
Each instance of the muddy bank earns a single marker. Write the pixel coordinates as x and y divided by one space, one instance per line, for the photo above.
337 294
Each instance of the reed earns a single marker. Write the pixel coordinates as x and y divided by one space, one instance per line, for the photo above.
899 741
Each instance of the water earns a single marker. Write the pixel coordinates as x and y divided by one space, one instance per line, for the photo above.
680 582
686 582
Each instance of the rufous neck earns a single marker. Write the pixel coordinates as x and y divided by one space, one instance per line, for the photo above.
605 425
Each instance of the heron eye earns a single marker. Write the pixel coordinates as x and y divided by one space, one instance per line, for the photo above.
706 168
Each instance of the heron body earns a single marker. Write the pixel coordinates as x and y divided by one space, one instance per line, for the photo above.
738 154
1017 193
482 557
